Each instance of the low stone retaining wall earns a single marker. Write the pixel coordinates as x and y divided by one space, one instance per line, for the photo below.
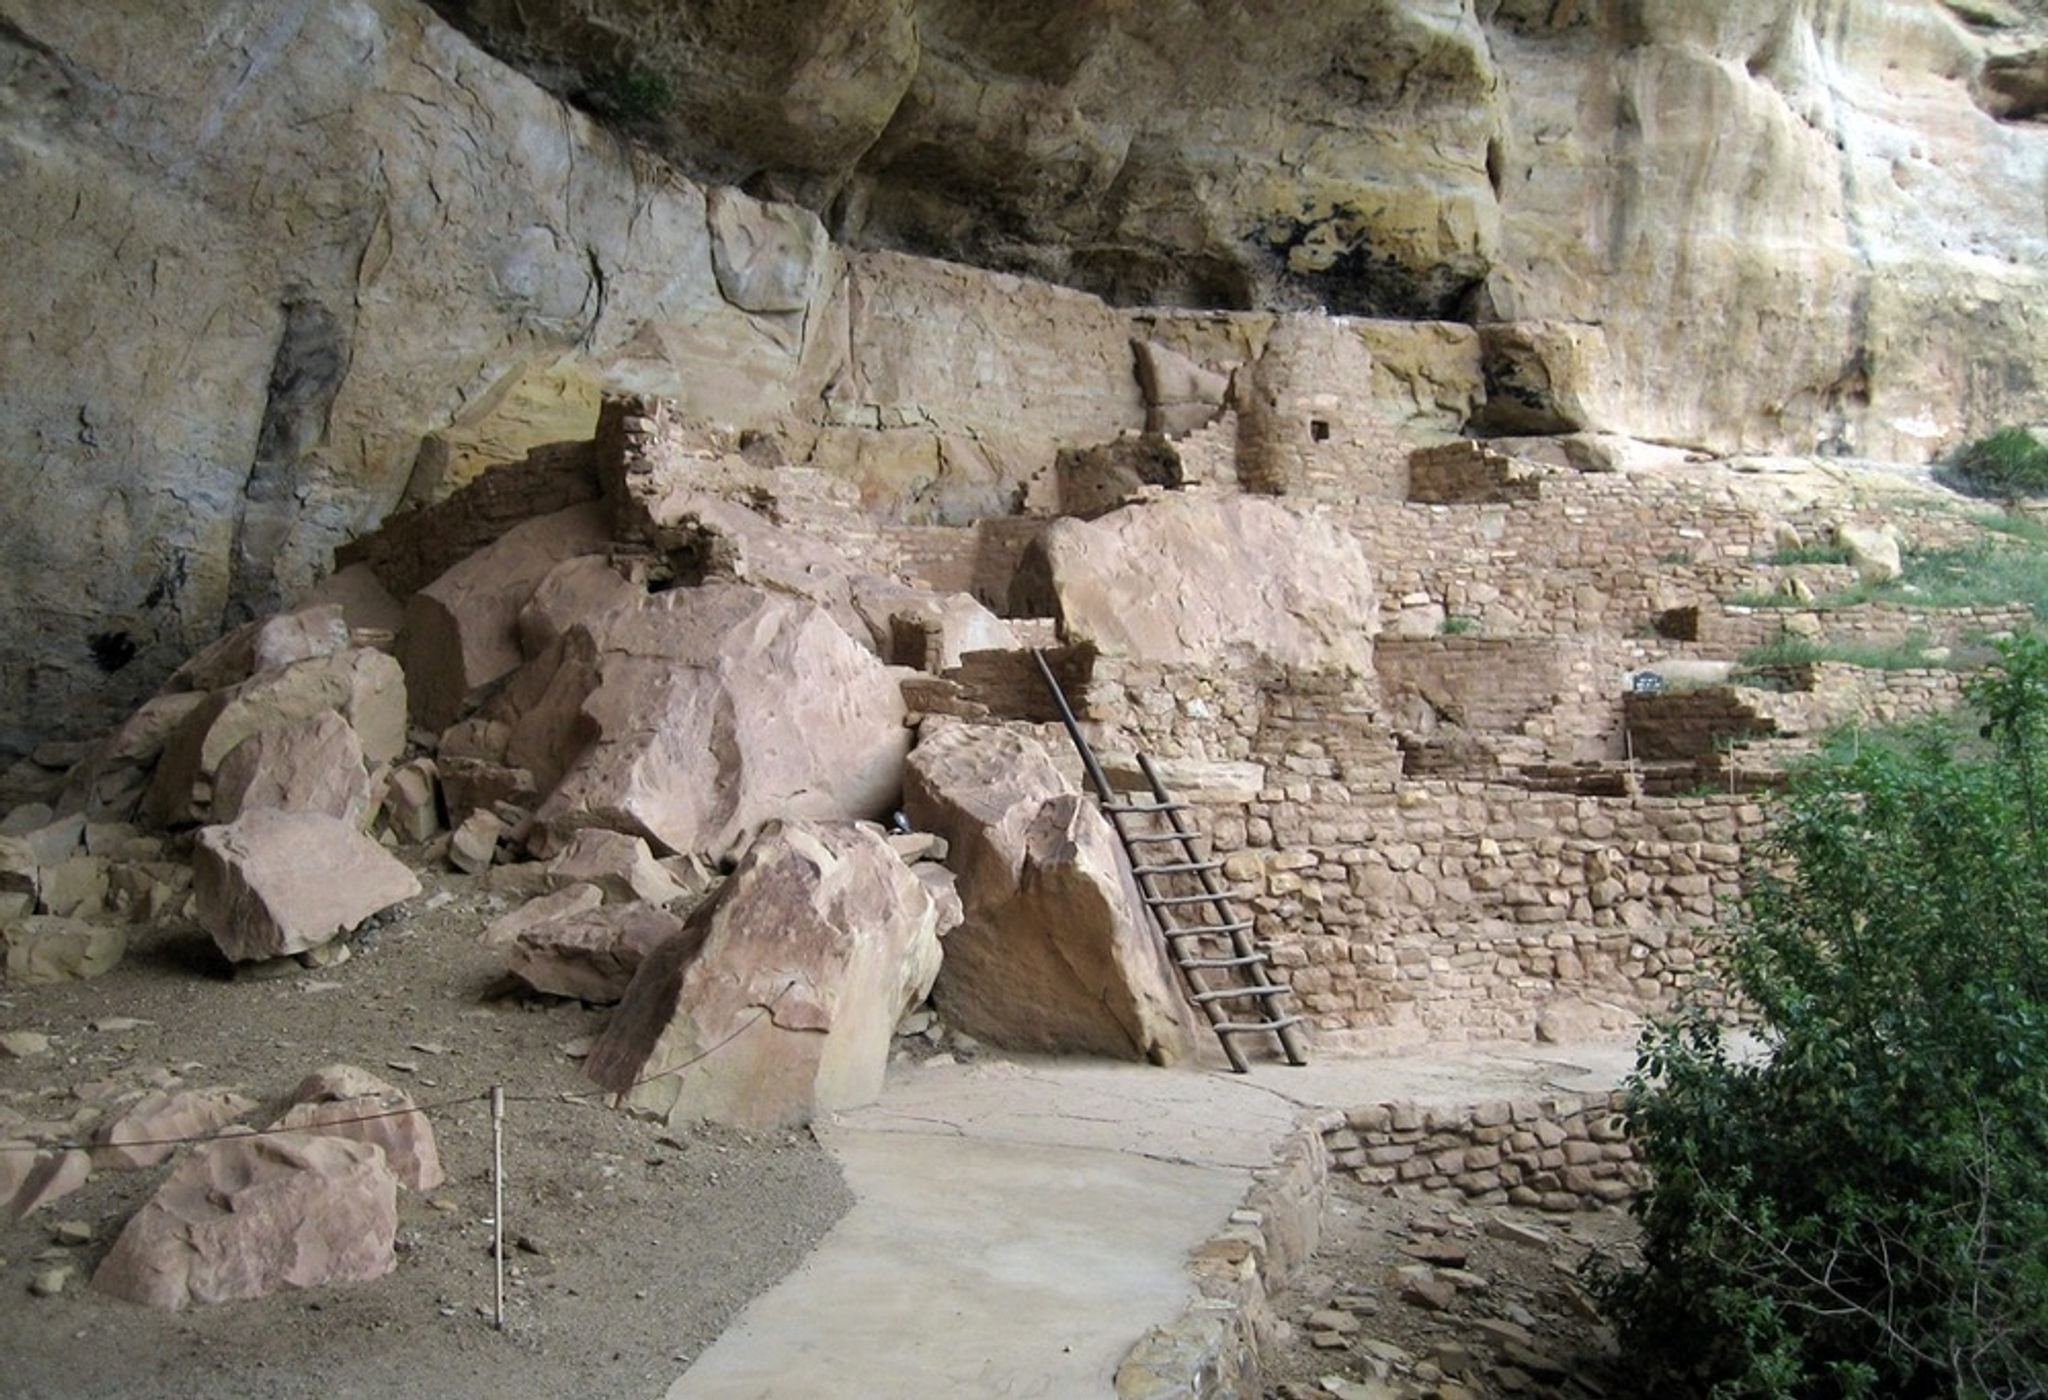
1560 1153
1211 1351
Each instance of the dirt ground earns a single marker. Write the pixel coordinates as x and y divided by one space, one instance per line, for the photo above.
1508 1319
638 1243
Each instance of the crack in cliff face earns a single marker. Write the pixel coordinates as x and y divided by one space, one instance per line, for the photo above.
306 374
1846 399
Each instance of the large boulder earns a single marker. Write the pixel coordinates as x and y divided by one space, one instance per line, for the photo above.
249 1216
696 715
346 1102
777 1001
275 883
363 686
462 630
315 765
1053 954
1203 580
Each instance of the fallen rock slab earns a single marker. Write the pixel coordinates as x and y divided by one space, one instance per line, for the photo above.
277 883
564 903
1206 580
798 970
343 1101
29 1181
138 1135
43 948
622 868
592 956
314 765
1051 955
696 715
247 1217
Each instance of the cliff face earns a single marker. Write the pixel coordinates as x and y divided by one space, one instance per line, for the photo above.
279 266
1769 223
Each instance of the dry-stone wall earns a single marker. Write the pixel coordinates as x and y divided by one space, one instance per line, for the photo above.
1562 1152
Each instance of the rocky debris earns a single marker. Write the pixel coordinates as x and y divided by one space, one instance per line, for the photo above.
412 808
591 956
343 1101
462 630
246 1217
49 1282
21 1045
266 644
473 847
1094 481
1209 580
564 903
44 948
798 970
621 867
1874 551
698 714
31 1180
1048 904
315 765
138 1135
277 883
365 687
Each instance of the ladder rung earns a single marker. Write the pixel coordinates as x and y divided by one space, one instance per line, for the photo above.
1234 994
1148 837
1191 867
1250 960
1249 1028
1201 930
1138 808
1167 901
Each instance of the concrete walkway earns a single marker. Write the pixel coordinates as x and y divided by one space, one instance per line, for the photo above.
1018 1225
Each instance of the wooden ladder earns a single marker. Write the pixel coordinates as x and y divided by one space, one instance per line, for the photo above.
1225 972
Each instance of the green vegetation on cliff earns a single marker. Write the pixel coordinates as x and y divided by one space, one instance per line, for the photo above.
1861 1208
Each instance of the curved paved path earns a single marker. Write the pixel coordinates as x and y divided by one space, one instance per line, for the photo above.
1019 1224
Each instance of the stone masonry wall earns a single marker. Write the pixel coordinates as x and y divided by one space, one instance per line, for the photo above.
1561 1153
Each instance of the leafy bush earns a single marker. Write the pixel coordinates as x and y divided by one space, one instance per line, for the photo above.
635 95
2010 464
1459 625
1859 1207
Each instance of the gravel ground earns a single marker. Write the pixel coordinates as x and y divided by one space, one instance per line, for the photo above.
637 1243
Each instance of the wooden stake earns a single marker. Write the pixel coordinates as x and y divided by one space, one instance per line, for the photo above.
498 1200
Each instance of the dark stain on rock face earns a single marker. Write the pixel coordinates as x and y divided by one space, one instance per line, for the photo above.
111 650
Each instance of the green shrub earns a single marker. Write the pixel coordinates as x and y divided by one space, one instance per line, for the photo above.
635 95
1860 1207
1459 625
2010 464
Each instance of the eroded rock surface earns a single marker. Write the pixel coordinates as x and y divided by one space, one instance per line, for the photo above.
276 883
798 970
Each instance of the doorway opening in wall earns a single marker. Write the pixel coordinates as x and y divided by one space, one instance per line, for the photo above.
1318 430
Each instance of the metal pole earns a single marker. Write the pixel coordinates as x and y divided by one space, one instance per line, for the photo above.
498 1200
1059 697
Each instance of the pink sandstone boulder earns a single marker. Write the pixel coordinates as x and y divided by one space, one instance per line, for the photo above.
135 1136
31 1180
366 605
276 883
622 868
591 956
250 1216
798 969
314 765
462 630
1207 580
698 714
264 645
1052 954
412 801
343 1101
564 903
365 687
